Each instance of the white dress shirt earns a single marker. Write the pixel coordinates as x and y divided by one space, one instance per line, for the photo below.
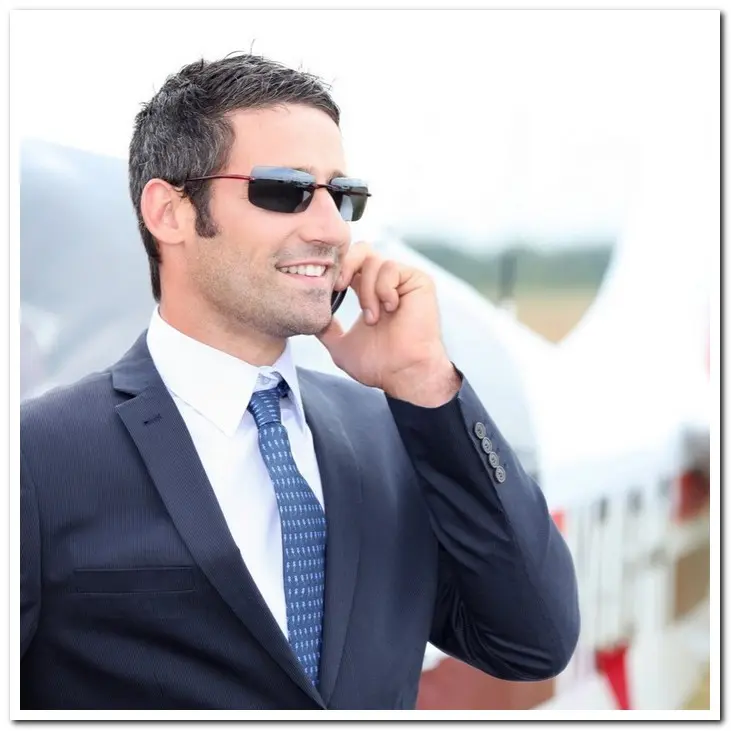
212 391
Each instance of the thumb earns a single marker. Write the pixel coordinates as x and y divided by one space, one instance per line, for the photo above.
331 335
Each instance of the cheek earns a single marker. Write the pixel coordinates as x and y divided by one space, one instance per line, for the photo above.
253 236
252 243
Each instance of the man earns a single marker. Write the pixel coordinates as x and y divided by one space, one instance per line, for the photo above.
204 525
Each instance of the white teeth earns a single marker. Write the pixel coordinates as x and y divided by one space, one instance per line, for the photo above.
307 270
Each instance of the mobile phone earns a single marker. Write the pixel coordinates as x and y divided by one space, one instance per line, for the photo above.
337 300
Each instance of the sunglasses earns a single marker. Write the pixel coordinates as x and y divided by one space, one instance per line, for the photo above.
284 190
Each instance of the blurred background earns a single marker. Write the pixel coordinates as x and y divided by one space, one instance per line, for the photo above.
558 174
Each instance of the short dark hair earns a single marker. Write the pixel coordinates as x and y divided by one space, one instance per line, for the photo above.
183 131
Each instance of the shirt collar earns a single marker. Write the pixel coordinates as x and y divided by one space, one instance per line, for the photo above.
216 384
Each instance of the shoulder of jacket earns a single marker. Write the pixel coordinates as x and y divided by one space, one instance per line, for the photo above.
56 404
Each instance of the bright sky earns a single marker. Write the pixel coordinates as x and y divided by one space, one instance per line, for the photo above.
486 123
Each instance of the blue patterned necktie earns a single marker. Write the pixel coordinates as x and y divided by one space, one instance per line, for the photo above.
303 531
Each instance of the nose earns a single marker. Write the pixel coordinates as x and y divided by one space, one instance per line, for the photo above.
322 221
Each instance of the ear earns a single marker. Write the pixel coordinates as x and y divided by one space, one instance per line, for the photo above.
165 212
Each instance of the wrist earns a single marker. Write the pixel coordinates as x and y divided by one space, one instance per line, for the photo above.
430 385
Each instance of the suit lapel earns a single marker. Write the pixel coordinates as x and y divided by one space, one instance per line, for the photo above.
341 483
159 432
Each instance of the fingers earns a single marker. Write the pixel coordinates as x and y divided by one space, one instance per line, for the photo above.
366 288
352 263
374 279
387 284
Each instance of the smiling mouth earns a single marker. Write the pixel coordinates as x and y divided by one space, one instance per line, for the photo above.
312 271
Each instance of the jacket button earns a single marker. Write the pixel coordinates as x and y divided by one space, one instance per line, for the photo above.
480 430
493 459
500 474
486 445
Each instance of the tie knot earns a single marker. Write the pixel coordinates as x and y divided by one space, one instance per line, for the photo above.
264 405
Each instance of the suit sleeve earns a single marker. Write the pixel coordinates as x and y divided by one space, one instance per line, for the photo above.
30 558
507 599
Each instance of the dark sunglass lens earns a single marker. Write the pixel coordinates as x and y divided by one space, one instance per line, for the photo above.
350 205
358 202
278 195
350 197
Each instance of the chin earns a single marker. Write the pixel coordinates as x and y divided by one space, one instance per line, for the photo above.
313 326
301 323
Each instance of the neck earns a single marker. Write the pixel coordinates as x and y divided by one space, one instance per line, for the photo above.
247 345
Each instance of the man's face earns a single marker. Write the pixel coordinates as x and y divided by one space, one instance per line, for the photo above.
239 271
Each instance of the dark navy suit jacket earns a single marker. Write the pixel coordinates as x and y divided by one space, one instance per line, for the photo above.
134 594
